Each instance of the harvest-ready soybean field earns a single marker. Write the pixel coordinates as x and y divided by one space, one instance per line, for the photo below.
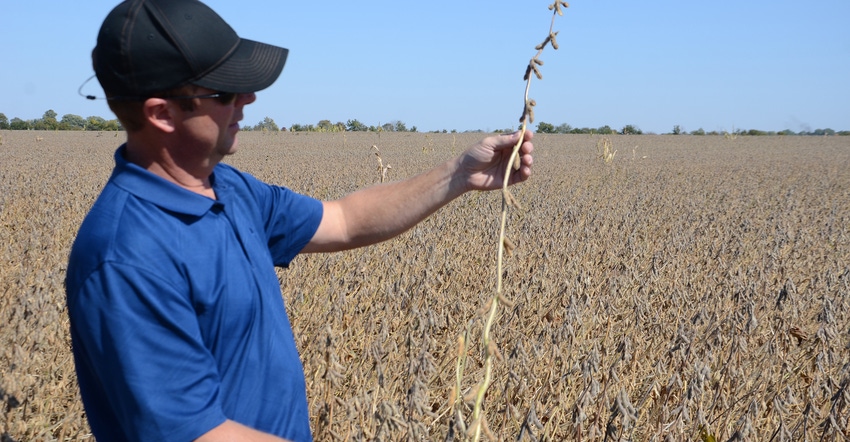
671 288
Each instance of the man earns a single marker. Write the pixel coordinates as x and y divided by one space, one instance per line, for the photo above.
178 325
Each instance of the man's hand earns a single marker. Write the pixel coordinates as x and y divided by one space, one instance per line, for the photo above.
231 431
484 164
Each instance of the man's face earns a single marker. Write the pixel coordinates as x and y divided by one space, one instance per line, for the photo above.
210 130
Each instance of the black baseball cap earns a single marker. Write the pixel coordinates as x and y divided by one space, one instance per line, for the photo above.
145 47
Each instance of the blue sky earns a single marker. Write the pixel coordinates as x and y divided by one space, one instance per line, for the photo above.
743 64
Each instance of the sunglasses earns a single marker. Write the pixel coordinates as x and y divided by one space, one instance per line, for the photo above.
222 97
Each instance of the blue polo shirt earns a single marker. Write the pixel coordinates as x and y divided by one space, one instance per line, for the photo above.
177 319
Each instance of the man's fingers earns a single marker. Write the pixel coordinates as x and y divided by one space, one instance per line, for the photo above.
509 140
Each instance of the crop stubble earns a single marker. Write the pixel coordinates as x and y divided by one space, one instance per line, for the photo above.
694 284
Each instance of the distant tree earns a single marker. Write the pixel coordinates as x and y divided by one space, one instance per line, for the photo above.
324 126
4 122
699 131
113 125
563 128
267 124
400 126
677 130
47 121
605 130
631 129
72 122
414 129
388 127
545 128
18 124
95 123
356 126
787 132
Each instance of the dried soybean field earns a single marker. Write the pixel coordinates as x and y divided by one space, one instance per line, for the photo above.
693 288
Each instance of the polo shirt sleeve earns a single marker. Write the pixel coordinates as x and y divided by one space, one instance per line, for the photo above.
140 338
289 219
294 220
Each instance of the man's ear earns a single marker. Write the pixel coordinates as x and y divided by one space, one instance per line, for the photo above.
159 114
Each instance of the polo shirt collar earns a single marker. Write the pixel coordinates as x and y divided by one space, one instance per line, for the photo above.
157 190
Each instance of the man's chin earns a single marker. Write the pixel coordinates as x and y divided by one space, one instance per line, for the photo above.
231 149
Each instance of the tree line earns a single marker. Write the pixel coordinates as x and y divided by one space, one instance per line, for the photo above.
50 121
630 129
351 126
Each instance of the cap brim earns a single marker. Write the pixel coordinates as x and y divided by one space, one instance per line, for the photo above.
254 66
